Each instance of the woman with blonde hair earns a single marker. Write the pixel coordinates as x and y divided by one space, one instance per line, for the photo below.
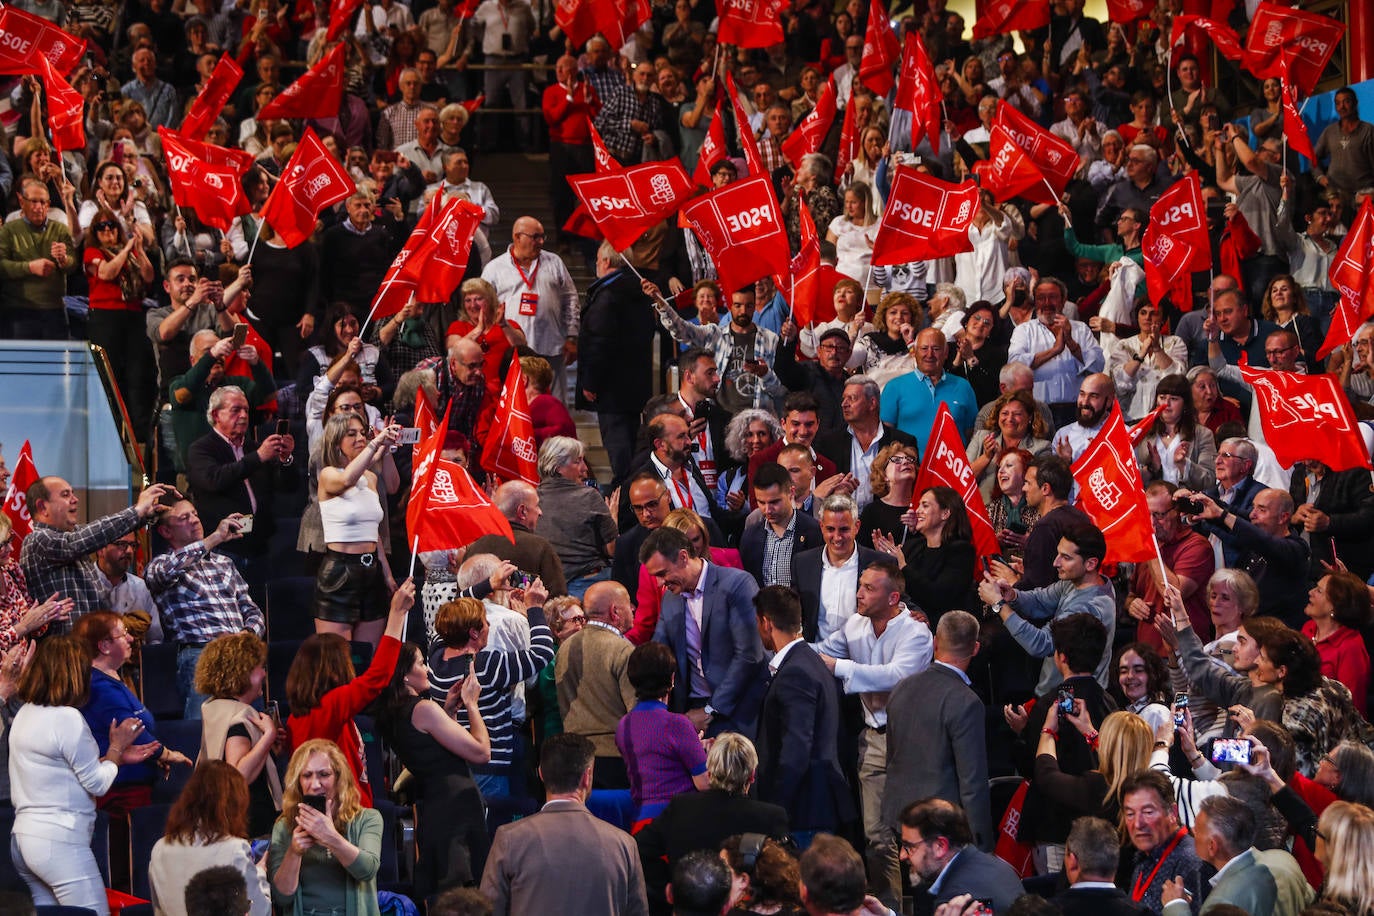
853 232
484 323
886 349
326 847
1345 847
1123 747
1013 422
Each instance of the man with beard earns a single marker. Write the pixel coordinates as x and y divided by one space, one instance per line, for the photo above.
1058 350
699 384
912 401
1096 396
670 460
800 424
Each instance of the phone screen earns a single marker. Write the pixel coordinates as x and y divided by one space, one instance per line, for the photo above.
283 427
240 335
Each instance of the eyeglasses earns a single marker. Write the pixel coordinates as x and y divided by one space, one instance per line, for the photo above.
1230 456
357 406
1280 350
641 508
537 236
902 459
106 226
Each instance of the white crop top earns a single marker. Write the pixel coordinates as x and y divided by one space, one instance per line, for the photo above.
354 516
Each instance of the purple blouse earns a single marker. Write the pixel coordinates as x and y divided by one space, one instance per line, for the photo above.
661 750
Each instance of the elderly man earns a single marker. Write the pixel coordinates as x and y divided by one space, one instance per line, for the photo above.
912 400
539 297
1165 855
55 555
159 100
36 255
190 393
823 378
1096 395
457 180
397 125
534 555
854 447
569 103
1265 546
463 391
356 253
634 120
1058 350
777 124
601 73
1139 188
200 592
594 689
425 151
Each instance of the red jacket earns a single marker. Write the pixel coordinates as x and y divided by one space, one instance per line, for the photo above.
569 116
1344 658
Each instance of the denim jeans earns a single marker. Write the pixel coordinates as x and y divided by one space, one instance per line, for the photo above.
186 680
578 587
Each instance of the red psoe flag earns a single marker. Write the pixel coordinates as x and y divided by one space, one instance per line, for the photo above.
1294 128
849 137
740 226
1291 44
66 109
1180 212
1054 156
214 192
1141 428
752 157
807 293
1006 16
16 507
509 451
210 102
340 17
311 181
241 161
317 93
807 136
446 508
24 37
1166 260
712 148
444 258
1224 37
601 156
925 218
750 23
918 92
577 19
944 463
1306 416
881 50
1008 172
625 204
1350 275
1128 11
1110 491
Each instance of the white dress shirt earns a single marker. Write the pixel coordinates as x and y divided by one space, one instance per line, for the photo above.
1058 379
556 318
871 665
839 594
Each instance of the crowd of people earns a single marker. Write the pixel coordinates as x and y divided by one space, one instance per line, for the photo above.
760 666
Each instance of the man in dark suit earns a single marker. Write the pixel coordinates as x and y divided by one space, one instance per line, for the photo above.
775 532
670 459
827 578
936 740
799 723
700 820
226 477
938 846
707 619
1235 489
527 870
1091 856
854 447
1340 521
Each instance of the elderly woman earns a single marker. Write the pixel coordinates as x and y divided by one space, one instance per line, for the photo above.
1338 613
484 322
814 184
547 413
1177 448
749 432
853 231
1213 411
893 479
576 520
1014 422
663 753
1137 364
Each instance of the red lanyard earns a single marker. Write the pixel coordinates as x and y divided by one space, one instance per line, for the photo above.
1140 887
684 497
534 272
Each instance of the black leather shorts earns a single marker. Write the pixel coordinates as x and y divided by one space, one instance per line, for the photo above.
350 588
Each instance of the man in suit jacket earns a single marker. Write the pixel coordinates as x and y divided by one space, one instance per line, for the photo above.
775 532
1235 489
1340 520
854 447
827 578
1262 884
528 869
228 476
799 723
670 460
938 845
707 619
1091 856
936 740
592 675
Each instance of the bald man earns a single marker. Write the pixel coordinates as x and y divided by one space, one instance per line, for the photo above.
463 386
591 671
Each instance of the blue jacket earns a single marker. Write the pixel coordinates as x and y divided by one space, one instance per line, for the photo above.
112 701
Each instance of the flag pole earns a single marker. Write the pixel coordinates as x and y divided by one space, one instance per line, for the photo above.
868 280
414 553
633 269
186 241
254 246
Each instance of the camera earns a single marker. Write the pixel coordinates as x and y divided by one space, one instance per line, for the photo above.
1180 709
1065 701
1187 505
1231 750
520 579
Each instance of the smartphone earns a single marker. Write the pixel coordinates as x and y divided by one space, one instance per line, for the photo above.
409 435
981 908
283 427
273 710
1065 701
1180 709
246 525
1231 750
1017 527
315 801
520 579
258 847
987 566
240 335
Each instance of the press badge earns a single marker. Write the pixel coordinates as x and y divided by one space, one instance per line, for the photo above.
529 304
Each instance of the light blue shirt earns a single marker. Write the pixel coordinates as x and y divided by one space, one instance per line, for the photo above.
910 403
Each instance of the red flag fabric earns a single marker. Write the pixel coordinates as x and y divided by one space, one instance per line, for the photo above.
25 37
1350 275
66 108
1008 172
1306 416
807 292
627 203
740 226
1294 128
398 285
241 161
752 157
881 50
1110 491
317 93
849 137
1292 44
509 451
580 223
443 259
617 20
1166 260
925 218
577 19
1141 428
918 91
712 148
944 463
425 420
807 136
605 162
446 508
233 365
210 102
750 23
1238 244
1180 212
1224 37
474 103
1128 11
340 17
311 181
214 192
1007 16
16 507
1054 156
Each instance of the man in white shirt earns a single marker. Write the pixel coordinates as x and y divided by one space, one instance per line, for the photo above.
879 645
456 181
827 578
1096 396
1079 129
1058 350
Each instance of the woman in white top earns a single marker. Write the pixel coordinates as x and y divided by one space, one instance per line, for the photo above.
353 586
56 773
1137 363
853 232
112 192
